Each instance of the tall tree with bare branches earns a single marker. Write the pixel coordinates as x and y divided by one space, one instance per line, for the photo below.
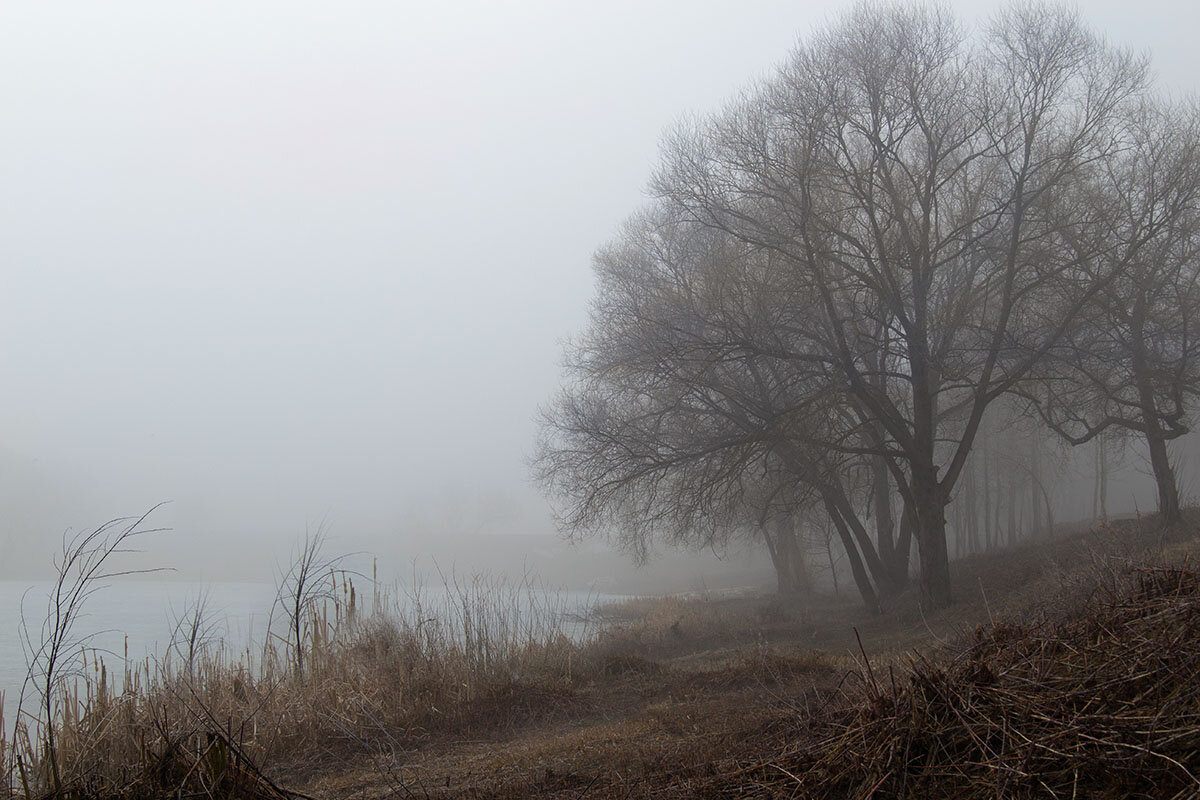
682 421
939 199
1131 362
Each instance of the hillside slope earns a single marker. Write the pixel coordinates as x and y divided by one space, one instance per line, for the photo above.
1064 669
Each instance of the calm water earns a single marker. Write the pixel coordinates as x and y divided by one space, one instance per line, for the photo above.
135 614
138 617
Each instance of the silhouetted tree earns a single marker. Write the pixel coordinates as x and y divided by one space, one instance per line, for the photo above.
845 269
1131 361
682 421
939 200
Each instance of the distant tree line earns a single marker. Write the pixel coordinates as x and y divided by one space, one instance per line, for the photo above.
904 236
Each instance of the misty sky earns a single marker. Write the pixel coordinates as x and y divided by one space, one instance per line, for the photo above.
284 262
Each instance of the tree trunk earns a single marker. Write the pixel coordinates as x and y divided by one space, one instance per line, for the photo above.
861 579
1049 508
837 589
956 525
794 552
838 505
1164 479
1160 462
998 519
881 495
1103 478
1014 512
973 510
1035 480
785 580
931 538
928 493
987 499
903 551
845 520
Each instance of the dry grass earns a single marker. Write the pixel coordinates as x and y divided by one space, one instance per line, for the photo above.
1104 705
484 653
662 627
646 728
1084 691
1098 701
697 629
1099 666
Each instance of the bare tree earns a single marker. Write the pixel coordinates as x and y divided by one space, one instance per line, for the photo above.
55 655
781 535
1131 361
682 421
934 205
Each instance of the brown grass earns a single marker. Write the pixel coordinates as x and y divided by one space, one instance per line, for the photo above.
492 654
1063 670
1104 705
1090 694
668 627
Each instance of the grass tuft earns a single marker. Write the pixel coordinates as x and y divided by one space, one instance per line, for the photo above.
1102 705
484 654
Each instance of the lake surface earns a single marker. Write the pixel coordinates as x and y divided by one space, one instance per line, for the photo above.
138 617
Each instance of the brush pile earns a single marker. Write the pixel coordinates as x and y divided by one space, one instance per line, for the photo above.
1106 705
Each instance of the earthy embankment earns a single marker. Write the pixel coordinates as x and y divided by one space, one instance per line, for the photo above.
1065 669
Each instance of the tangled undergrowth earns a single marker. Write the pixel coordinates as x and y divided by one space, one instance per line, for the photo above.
1105 705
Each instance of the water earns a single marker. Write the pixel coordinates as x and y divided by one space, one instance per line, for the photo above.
138 617
128 616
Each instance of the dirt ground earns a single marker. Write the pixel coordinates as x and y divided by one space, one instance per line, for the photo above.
723 683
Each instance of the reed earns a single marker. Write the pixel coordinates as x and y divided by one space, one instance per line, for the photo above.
200 720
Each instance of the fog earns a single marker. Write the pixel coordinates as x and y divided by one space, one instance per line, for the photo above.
293 265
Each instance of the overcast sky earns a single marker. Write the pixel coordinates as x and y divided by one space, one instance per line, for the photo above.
284 262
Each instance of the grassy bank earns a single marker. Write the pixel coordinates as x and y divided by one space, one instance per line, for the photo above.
202 721
1064 669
